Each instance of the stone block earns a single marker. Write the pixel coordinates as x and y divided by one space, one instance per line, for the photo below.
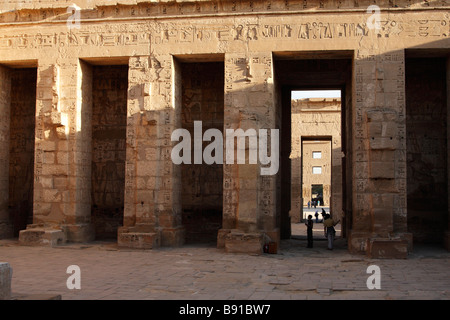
357 242
83 232
221 236
5 281
382 220
382 169
387 249
382 200
240 242
138 240
41 236
132 237
6 230
173 237
383 143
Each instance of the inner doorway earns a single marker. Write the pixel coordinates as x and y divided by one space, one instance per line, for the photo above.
316 193
315 124
313 71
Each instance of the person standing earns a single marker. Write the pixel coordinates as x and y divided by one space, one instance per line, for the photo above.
328 228
309 231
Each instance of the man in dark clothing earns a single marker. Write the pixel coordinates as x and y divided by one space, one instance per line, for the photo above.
309 231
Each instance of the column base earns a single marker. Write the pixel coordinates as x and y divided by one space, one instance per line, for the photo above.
237 241
395 247
6 230
387 249
40 235
221 235
138 237
82 232
173 237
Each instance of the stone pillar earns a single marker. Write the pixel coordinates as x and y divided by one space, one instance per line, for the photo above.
335 190
250 212
298 192
5 281
447 233
6 227
62 187
379 162
152 214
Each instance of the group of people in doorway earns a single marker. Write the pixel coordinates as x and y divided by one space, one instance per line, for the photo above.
328 228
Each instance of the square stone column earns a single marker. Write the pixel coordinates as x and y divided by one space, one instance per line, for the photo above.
379 154
152 214
447 233
6 227
62 187
249 200
5 280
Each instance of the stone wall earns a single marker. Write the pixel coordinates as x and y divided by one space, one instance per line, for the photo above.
309 177
426 123
109 123
6 227
21 148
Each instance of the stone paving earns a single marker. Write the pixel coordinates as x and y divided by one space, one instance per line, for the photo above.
205 272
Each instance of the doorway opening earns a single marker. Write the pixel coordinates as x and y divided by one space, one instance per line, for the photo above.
202 99
427 151
314 99
317 191
21 147
315 123
109 123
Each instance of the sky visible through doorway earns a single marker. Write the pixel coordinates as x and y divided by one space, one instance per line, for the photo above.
303 94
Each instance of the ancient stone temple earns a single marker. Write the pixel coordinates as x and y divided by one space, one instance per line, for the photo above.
92 93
